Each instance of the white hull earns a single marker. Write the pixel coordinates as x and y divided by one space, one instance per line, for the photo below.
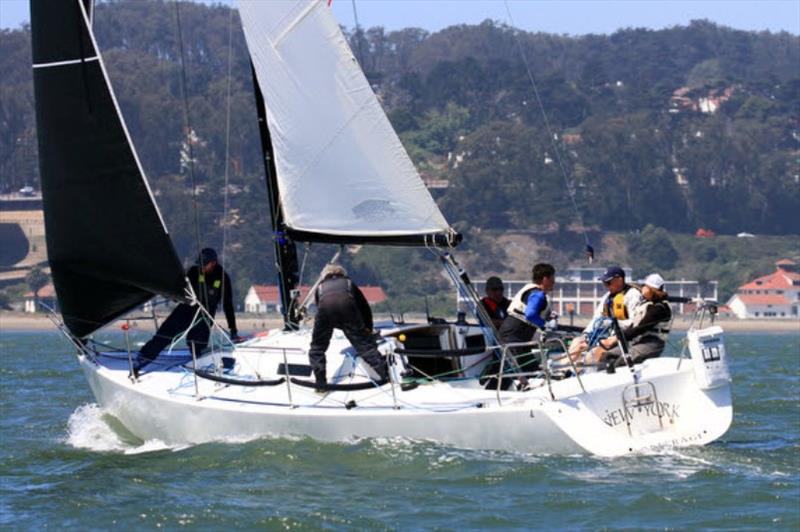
163 406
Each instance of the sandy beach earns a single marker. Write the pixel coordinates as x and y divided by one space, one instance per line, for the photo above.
249 323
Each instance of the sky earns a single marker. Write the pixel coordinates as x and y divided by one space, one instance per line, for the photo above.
574 17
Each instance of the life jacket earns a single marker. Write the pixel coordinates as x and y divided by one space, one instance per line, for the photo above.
335 288
615 305
215 285
520 300
494 309
209 288
661 329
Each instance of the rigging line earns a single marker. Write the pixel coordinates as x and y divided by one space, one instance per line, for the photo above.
226 204
557 152
189 132
356 35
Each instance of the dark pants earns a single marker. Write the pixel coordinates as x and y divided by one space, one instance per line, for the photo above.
346 317
641 350
175 324
512 331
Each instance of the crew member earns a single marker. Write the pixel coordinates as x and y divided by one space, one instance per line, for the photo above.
619 302
529 309
342 305
647 334
211 284
495 302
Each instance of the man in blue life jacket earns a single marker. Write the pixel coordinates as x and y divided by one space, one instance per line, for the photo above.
211 284
342 305
529 309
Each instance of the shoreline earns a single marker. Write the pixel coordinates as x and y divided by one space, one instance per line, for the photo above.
25 322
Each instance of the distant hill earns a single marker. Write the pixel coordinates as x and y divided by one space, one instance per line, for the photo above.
680 128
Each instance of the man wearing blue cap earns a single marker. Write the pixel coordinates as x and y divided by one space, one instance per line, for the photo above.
621 300
211 285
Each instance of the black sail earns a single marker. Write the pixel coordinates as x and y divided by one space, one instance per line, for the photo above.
108 247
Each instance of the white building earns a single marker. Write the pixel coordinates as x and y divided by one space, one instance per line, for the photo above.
776 295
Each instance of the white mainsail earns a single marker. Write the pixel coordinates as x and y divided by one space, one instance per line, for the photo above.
341 167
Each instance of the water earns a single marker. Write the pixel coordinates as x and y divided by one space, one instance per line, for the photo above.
64 464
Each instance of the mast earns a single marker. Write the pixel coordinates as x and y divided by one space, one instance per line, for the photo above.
285 248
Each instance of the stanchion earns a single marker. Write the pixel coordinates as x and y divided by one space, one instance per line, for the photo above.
194 370
391 364
131 374
288 384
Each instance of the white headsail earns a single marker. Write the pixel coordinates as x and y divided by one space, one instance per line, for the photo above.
341 167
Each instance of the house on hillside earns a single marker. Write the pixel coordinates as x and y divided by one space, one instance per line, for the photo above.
776 295
47 295
264 299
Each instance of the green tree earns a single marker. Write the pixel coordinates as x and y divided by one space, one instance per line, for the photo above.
652 249
36 280
5 300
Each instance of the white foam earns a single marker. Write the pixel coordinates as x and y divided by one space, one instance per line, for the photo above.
88 429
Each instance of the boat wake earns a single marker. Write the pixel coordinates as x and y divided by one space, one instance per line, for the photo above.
90 428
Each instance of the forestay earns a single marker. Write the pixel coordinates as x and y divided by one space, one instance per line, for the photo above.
108 248
342 170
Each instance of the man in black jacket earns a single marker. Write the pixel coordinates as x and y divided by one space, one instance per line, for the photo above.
341 305
495 302
211 284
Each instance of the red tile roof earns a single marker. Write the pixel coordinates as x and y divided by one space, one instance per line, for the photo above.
757 299
778 280
270 294
47 290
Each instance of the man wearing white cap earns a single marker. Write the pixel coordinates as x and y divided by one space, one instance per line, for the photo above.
647 334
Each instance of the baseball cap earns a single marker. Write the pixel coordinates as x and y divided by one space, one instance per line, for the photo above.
654 280
207 255
611 272
493 282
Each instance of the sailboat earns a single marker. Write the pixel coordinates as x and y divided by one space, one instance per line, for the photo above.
336 172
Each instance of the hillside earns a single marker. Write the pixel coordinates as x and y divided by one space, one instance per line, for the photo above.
676 129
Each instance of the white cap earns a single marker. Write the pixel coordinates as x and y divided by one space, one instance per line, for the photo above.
654 281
